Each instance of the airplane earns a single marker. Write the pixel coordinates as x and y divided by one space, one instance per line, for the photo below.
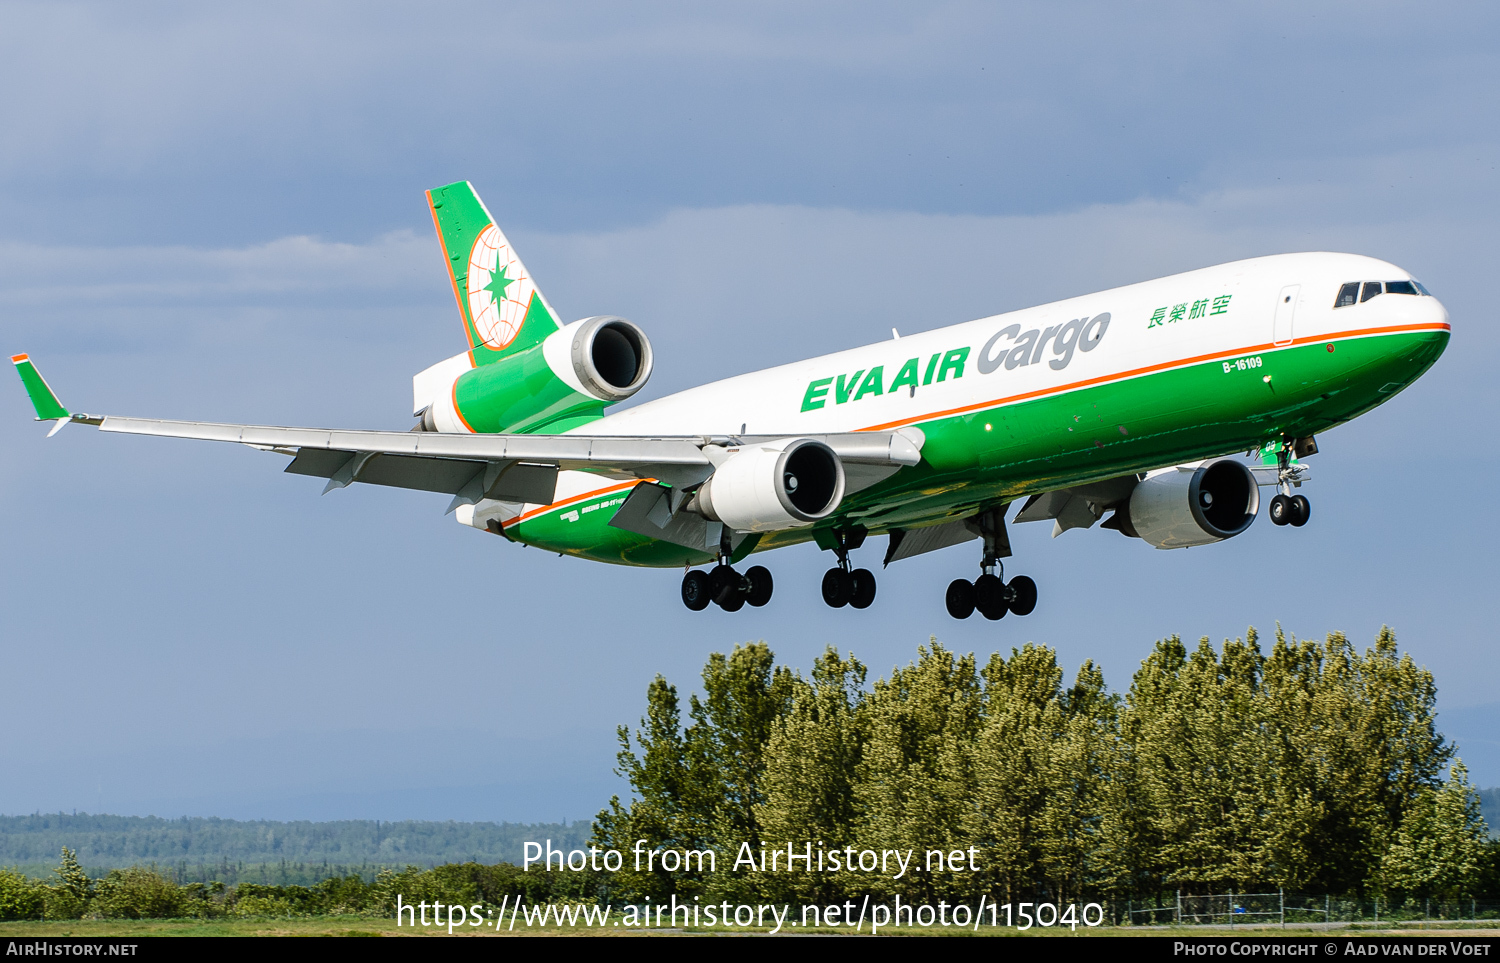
1135 402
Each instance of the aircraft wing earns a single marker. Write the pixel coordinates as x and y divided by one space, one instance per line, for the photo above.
508 467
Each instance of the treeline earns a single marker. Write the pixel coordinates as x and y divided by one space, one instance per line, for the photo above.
142 892
1312 767
224 847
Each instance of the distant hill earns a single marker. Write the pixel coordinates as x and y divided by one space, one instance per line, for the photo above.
106 842
1489 804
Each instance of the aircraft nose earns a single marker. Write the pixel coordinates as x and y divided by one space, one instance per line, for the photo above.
1439 312
1403 310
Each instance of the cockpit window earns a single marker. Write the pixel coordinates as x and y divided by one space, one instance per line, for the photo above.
1351 292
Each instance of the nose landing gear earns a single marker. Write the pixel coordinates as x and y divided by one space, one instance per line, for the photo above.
1286 508
1294 510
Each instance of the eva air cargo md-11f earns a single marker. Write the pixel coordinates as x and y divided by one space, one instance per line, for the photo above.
1130 403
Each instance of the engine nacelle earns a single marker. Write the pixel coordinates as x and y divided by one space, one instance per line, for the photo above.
1178 508
609 357
767 488
564 381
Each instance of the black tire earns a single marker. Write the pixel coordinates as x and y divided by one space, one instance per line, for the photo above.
1280 510
734 603
1301 510
1022 594
697 590
989 597
726 583
960 598
760 585
864 588
838 587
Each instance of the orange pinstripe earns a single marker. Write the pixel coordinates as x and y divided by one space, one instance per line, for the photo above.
1104 379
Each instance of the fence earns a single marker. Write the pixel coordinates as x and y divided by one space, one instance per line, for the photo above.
1281 908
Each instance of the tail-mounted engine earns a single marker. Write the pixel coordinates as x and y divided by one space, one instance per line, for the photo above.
559 383
766 488
1181 507
610 356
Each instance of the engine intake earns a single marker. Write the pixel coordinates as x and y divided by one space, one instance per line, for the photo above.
610 356
767 488
1178 508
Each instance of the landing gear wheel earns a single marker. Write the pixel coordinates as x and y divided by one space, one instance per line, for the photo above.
989 596
697 590
838 587
864 588
960 598
726 584
1022 593
1301 510
734 603
760 585
1281 510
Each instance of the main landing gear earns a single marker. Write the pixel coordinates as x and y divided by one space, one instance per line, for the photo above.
728 588
724 586
843 587
990 594
1286 508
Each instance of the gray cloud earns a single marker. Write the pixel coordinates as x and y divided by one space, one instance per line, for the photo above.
212 580
216 212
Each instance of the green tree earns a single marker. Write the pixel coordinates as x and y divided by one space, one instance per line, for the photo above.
696 789
69 897
1363 752
662 783
21 898
915 782
810 763
1191 809
743 696
138 893
1038 767
1438 846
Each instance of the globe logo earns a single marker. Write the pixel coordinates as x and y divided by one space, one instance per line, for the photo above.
498 288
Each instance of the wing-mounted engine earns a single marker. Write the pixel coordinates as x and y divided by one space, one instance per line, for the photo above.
559 383
1194 505
769 487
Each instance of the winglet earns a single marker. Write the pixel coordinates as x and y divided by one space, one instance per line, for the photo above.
43 398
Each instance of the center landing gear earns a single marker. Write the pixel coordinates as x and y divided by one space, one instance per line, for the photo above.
1286 508
990 594
731 590
842 587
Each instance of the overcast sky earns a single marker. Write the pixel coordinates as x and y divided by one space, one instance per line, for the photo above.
216 212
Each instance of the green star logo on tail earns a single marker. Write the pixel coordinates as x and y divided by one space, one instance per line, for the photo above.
499 282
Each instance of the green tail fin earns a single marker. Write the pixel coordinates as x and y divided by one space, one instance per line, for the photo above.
43 398
503 312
